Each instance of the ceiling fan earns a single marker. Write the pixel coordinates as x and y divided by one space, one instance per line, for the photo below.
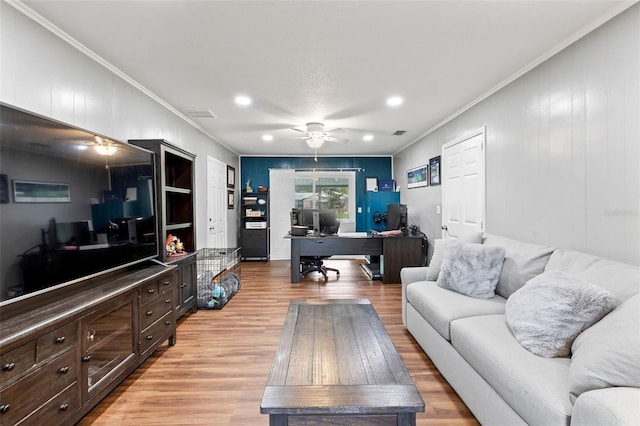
316 136
102 146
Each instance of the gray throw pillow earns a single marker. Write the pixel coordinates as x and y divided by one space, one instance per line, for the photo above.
471 269
439 246
549 312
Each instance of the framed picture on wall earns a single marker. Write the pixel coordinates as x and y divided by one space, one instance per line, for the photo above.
25 191
230 203
231 177
4 189
418 177
434 167
372 183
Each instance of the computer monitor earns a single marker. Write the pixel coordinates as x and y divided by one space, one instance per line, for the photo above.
326 220
396 216
73 233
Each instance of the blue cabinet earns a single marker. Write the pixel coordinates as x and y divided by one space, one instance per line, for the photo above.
376 208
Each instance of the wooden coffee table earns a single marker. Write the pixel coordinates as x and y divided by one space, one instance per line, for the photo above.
335 364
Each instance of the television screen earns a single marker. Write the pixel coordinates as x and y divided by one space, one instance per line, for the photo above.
69 212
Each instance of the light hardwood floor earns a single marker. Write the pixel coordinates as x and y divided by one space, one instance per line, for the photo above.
216 373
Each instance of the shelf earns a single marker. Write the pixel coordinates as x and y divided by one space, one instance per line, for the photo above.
254 241
175 173
177 190
179 226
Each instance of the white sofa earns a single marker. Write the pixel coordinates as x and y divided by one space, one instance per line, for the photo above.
502 383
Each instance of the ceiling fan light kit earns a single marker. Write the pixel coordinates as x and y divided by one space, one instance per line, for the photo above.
315 141
317 136
106 148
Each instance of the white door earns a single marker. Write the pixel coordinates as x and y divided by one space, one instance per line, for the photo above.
281 201
216 203
463 191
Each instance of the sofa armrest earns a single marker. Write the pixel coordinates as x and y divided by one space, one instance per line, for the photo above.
408 275
412 274
610 406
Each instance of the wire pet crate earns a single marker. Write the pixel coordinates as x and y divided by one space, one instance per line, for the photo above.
218 271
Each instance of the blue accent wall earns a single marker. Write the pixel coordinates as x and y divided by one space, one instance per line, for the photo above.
257 169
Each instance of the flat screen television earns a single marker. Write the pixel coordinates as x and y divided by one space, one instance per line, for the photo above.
68 212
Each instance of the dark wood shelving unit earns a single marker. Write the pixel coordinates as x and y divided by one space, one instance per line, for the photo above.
254 223
175 198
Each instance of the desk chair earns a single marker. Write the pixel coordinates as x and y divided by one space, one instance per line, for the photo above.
316 264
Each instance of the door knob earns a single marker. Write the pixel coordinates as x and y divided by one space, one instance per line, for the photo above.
444 228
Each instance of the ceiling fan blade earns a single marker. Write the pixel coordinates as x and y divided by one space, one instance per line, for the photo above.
335 139
337 130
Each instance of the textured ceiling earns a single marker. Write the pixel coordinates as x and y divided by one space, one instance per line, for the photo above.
327 61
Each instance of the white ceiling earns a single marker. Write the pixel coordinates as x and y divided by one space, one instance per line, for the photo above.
330 61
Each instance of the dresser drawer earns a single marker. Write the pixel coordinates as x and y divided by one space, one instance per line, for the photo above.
154 289
166 283
40 386
57 410
153 311
159 331
149 292
57 341
17 362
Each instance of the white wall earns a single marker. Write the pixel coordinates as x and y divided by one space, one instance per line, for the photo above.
41 73
563 149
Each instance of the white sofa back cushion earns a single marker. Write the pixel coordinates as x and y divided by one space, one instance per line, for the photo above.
621 279
608 353
523 261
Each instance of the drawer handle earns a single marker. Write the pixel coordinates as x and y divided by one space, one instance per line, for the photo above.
149 313
4 408
183 285
168 282
64 407
86 358
60 339
9 366
168 322
167 300
150 337
150 291
64 370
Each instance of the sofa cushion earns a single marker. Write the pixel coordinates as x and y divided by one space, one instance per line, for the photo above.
608 353
440 306
549 312
611 407
622 280
522 262
439 246
471 269
535 387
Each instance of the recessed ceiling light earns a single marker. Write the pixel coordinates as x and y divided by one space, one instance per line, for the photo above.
367 138
243 100
267 138
394 101
82 147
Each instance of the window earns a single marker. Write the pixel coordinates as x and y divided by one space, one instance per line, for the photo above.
327 190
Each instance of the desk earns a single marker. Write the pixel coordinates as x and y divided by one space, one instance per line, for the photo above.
397 251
